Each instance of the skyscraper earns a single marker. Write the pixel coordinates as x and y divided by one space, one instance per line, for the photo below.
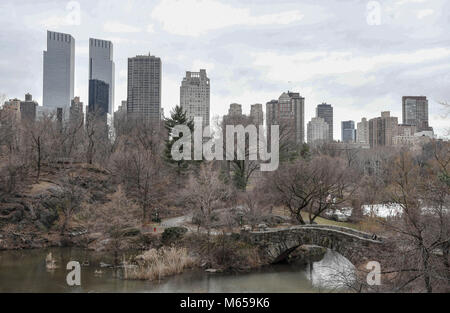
325 111
235 109
298 105
289 110
415 112
318 130
98 98
144 89
362 132
348 131
256 113
271 112
382 130
194 95
101 66
59 71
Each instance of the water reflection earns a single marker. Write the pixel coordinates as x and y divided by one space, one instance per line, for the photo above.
332 272
25 271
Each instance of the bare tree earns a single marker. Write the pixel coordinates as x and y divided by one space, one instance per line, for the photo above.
38 134
71 198
140 168
205 193
311 186
421 230
98 144
240 170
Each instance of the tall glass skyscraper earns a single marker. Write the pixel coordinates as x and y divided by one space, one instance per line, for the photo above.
98 98
348 131
59 71
101 66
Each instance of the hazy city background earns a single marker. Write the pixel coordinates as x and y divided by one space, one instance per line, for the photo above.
252 51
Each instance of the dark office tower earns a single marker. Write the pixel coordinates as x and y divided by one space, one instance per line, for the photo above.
101 66
271 112
144 89
298 105
98 99
28 108
348 131
325 111
59 69
415 112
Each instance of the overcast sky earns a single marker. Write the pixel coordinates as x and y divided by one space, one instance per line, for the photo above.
336 51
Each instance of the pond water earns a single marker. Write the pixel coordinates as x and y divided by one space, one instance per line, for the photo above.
25 271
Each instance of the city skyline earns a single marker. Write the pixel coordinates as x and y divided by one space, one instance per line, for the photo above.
357 80
144 94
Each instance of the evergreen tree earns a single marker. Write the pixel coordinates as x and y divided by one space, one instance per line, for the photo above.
177 117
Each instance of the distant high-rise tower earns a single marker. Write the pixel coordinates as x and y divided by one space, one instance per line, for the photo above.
98 98
256 113
235 109
415 112
325 111
76 112
290 111
101 66
194 95
318 131
28 108
144 89
348 131
362 132
59 71
382 130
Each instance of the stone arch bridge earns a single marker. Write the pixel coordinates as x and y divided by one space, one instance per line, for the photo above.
276 244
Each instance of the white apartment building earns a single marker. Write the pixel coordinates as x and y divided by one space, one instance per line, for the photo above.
195 95
318 130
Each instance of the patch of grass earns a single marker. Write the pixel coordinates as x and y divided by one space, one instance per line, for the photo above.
323 221
368 224
156 264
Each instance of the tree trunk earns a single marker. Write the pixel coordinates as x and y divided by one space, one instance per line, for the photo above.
299 218
445 252
39 160
426 271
